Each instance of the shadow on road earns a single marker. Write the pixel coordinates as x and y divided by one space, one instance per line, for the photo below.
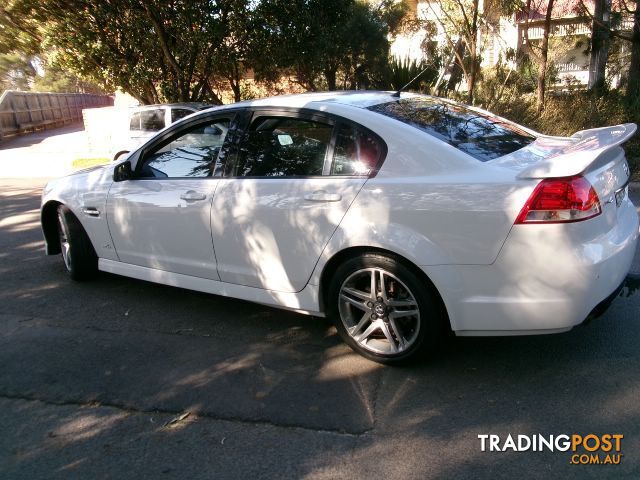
106 364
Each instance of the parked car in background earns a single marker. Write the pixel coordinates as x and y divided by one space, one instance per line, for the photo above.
396 216
145 121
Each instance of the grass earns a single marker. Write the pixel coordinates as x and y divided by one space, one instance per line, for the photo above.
89 162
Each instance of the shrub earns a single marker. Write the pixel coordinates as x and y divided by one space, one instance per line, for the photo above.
565 113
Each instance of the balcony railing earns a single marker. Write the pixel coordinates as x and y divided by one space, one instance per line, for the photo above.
571 67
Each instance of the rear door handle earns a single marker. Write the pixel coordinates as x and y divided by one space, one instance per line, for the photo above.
323 196
192 196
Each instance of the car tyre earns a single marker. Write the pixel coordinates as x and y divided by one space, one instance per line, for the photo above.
384 310
78 254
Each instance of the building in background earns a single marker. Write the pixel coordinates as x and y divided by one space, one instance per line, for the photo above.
500 35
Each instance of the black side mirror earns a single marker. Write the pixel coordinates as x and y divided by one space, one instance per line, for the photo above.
123 172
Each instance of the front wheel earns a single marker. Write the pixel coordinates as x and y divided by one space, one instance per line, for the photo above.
383 310
78 255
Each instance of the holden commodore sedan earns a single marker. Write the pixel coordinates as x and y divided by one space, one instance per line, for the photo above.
399 217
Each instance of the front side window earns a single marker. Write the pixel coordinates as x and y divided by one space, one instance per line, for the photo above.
480 135
283 147
357 152
193 153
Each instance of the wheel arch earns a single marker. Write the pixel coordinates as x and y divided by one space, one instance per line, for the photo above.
49 222
334 262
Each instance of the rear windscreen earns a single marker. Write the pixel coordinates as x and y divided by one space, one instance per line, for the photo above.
480 135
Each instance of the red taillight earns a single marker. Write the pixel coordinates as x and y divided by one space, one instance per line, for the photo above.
558 200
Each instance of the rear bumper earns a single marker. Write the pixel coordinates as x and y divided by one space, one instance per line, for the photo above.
543 281
604 305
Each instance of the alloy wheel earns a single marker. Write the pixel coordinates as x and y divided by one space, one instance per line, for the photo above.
65 246
379 311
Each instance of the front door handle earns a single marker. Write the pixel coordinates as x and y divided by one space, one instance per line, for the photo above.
192 196
323 196
91 211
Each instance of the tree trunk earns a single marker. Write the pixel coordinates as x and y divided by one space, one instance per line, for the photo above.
473 53
235 87
330 76
599 44
542 67
456 70
633 84
234 81
471 82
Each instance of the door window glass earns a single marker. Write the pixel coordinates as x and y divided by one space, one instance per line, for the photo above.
356 152
191 154
283 147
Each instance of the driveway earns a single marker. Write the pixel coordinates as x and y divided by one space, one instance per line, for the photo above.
119 378
47 153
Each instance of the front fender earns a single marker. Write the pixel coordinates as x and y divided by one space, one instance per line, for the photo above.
83 192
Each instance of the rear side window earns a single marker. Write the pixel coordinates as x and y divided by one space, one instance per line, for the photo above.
357 152
482 136
178 113
283 147
147 120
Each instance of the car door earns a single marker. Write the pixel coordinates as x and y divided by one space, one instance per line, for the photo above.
161 217
287 186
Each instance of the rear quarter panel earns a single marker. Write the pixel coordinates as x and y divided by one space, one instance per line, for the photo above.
429 202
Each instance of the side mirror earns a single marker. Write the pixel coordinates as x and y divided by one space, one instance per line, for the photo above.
122 172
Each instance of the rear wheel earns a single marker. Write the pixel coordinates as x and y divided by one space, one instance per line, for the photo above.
78 255
384 310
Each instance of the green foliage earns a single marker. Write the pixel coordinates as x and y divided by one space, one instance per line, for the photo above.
402 71
326 43
56 79
16 72
179 50
20 27
565 113
157 51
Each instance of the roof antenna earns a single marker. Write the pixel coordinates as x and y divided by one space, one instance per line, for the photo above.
397 94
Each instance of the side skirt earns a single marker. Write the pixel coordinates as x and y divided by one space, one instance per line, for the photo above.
509 333
304 301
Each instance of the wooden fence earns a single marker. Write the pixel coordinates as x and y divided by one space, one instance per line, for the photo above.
22 112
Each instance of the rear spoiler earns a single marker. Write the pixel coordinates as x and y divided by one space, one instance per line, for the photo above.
588 146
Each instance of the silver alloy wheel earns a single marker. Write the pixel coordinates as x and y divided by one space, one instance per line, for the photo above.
65 246
379 311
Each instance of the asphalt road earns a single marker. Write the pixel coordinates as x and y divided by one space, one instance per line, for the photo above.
96 377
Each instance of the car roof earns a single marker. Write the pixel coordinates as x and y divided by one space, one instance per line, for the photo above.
196 105
356 98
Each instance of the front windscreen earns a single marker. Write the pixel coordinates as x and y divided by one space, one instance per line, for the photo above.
480 135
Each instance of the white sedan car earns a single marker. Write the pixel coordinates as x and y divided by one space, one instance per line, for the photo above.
396 216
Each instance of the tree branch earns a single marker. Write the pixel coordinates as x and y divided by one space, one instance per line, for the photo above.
162 37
